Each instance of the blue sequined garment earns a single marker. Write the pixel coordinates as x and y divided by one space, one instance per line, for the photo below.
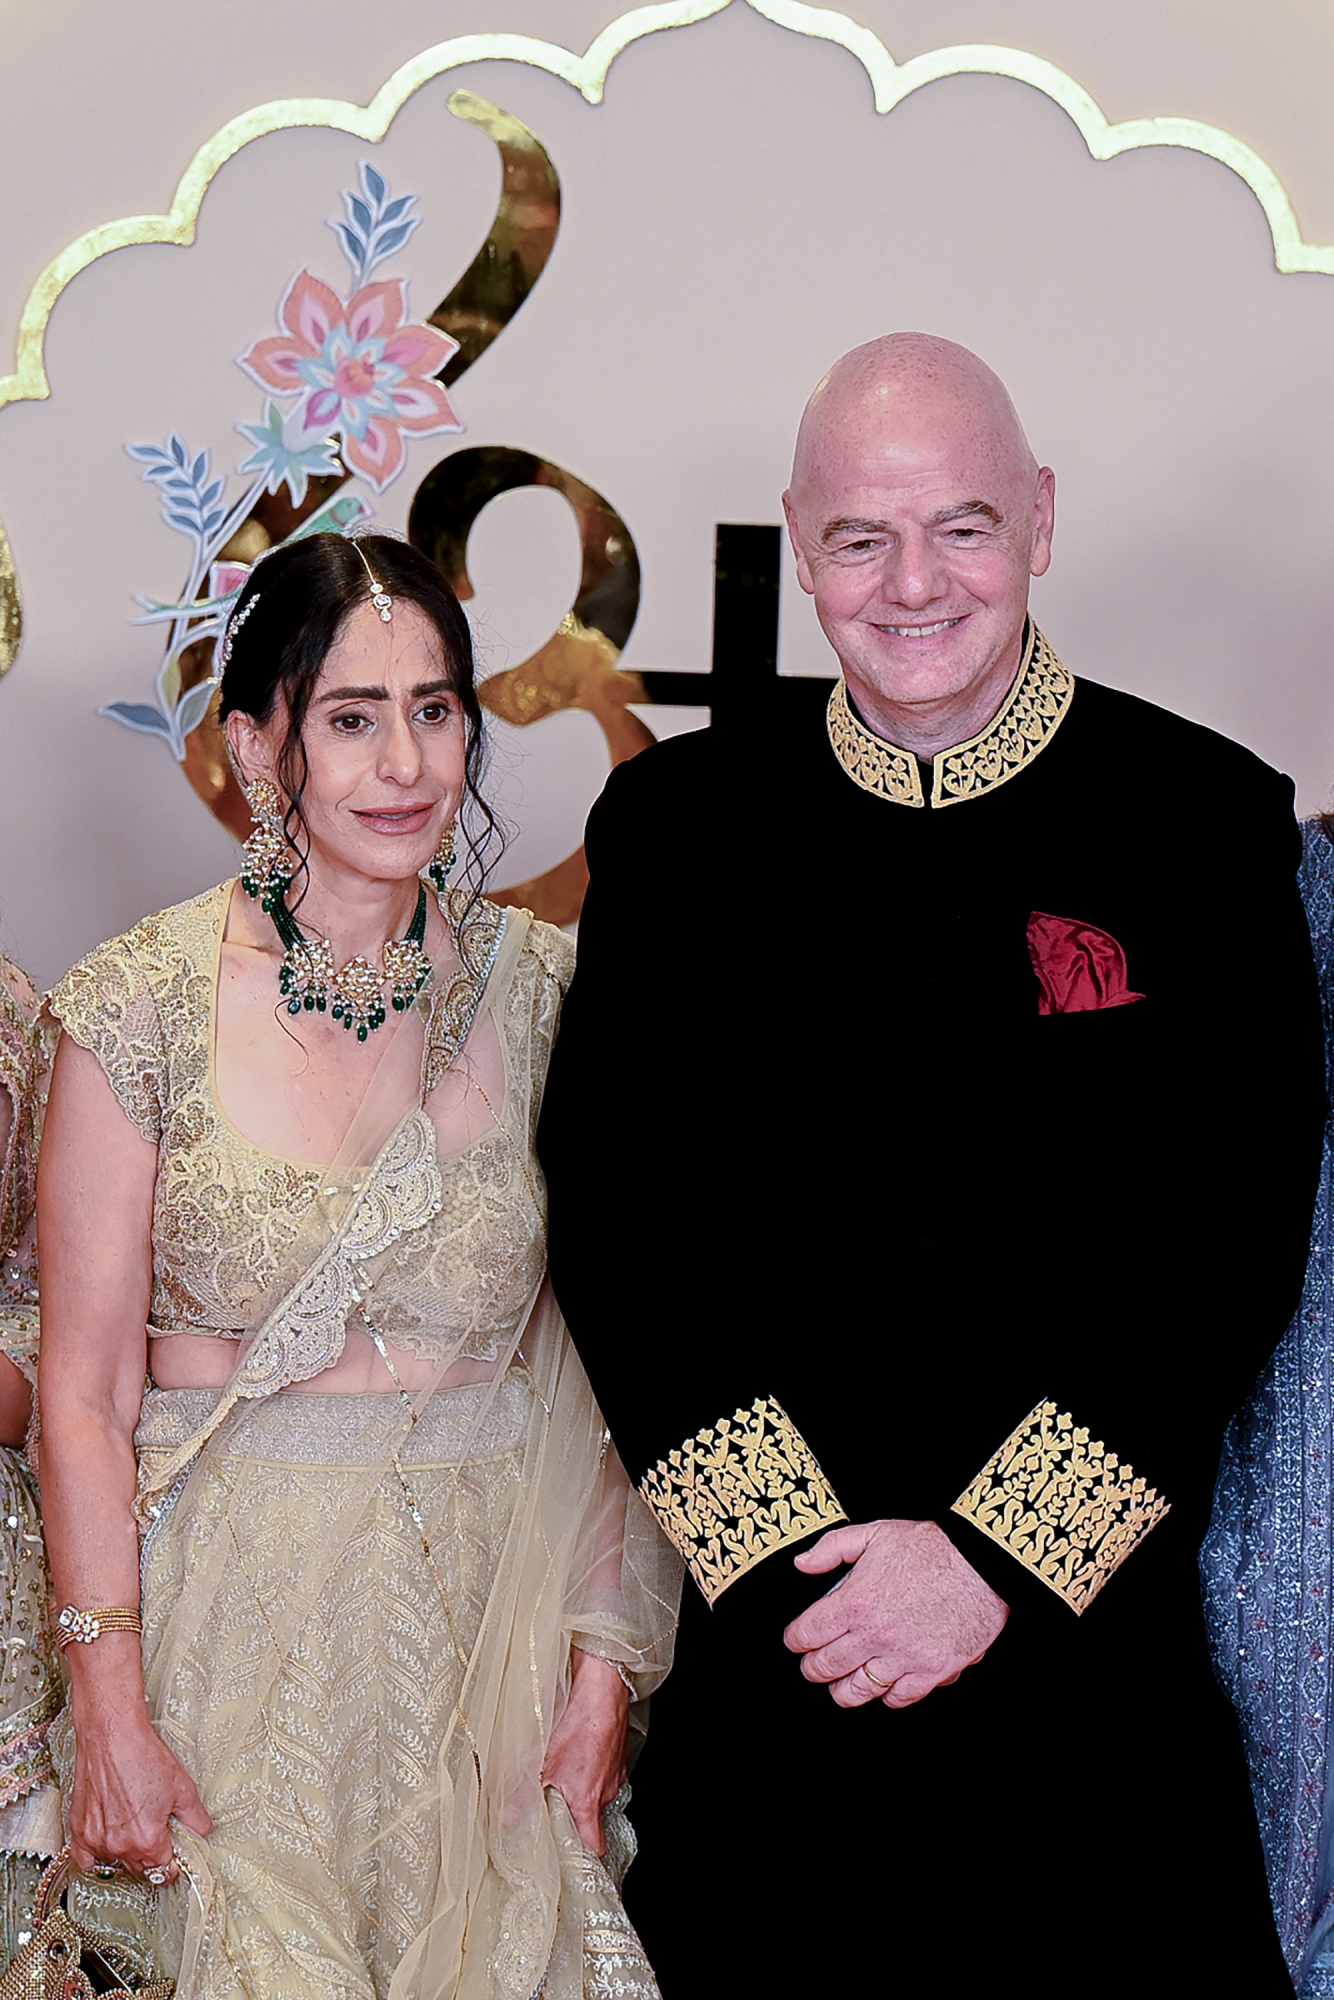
1268 1560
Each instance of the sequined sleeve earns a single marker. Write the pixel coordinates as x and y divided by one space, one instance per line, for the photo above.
24 1063
106 1004
21 1067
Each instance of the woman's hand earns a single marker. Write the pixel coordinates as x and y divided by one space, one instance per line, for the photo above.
127 1786
585 1759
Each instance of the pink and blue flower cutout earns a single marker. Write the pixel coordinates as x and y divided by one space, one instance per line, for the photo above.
362 370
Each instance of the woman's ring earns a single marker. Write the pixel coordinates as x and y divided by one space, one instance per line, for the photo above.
876 1678
157 1876
105 1871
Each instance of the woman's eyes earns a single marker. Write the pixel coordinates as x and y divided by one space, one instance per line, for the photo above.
432 714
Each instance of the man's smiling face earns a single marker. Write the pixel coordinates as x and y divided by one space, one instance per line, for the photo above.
918 516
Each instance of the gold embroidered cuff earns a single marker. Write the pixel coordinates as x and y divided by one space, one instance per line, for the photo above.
732 1495
1066 1508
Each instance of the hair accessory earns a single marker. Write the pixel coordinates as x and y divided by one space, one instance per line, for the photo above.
80 1628
355 996
267 871
229 632
380 597
442 860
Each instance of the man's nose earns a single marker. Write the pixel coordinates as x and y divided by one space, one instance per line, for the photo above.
913 572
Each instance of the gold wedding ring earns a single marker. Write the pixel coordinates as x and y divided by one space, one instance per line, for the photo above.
876 1678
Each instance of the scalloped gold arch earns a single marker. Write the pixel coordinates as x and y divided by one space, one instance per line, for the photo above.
891 82
587 72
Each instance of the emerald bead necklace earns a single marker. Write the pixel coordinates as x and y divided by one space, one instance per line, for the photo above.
355 996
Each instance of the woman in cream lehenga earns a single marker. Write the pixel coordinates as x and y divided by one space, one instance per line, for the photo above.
396 1593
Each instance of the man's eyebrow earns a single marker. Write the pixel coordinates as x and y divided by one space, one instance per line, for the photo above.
963 508
382 693
851 524
856 524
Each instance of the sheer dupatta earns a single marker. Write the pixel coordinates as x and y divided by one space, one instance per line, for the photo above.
571 1554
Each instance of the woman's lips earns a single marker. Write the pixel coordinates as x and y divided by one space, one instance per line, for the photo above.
395 819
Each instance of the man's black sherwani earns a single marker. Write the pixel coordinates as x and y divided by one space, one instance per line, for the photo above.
848 1222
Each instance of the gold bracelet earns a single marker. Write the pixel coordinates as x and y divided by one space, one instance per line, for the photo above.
80 1628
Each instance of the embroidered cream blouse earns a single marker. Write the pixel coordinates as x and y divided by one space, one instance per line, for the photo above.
228 1217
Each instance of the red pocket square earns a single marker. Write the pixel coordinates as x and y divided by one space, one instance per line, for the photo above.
1078 966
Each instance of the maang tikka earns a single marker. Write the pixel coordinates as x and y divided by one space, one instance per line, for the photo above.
267 872
380 598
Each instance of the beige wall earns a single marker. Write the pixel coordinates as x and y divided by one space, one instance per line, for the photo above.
736 213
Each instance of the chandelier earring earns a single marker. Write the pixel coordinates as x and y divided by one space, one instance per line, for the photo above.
266 875
442 860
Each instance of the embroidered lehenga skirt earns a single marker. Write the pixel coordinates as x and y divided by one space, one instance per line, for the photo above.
326 1710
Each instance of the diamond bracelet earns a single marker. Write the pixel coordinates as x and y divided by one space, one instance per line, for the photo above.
80 1628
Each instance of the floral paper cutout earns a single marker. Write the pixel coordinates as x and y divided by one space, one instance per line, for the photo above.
348 379
360 367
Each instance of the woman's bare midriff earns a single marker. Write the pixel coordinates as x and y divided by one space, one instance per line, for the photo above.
199 1361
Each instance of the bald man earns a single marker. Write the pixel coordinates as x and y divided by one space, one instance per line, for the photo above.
922 1208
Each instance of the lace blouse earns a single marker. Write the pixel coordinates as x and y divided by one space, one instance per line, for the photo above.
229 1219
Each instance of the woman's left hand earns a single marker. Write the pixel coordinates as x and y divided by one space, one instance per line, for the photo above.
585 1759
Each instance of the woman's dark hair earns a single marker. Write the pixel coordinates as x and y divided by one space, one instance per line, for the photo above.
299 599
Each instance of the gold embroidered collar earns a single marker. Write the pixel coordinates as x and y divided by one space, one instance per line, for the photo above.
1021 729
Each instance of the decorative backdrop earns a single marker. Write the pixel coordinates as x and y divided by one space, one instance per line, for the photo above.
582 273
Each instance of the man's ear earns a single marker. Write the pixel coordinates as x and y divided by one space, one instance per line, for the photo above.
1044 507
804 577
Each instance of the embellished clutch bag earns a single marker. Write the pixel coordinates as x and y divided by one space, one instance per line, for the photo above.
63 1960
